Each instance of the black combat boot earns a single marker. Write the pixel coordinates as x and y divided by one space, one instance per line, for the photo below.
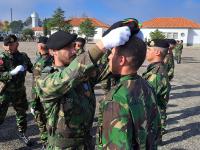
24 138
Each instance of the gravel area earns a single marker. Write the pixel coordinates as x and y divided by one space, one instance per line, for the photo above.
183 108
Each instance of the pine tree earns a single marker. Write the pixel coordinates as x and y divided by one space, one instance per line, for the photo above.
87 28
157 35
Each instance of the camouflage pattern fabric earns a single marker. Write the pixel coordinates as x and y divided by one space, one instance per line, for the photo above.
80 51
69 103
169 62
110 80
35 104
129 117
102 64
14 91
178 52
157 76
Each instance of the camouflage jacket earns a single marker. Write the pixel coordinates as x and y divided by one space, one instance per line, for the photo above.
80 51
41 62
129 117
178 49
7 63
156 75
69 102
169 62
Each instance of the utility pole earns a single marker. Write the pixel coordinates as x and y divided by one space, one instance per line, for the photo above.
11 19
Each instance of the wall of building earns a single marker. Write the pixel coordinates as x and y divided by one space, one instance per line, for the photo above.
177 34
194 37
38 33
97 36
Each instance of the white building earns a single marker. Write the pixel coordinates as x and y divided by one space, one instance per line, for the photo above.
38 31
75 22
100 26
174 28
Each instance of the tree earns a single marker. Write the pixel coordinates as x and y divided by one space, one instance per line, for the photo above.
28 33
157 35
6 26
46 27
16 26
67 27
58 20
1 26
28 21
87 28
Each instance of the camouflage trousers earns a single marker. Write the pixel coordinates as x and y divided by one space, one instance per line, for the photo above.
178 58
163 120
40 118
19 102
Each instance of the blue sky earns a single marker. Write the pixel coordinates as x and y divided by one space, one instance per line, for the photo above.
108 11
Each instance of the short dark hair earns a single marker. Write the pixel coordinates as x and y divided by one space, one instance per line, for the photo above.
135 48
81 40
10 39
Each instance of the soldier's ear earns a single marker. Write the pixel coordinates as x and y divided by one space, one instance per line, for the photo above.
157 52
122 60
54 52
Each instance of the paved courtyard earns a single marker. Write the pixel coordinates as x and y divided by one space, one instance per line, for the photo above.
183 108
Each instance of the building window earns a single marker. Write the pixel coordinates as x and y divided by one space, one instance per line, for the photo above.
182 34
171 35
175 35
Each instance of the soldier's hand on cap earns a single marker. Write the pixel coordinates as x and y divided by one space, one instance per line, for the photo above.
17 69
116 37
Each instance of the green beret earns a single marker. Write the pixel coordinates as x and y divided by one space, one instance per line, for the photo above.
171 41
158 43
42 39
60 39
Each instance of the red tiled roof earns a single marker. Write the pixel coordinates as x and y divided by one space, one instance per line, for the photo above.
37 28
170 23
77 21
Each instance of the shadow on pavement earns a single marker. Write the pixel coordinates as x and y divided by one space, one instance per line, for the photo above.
193 111
171 105
8 131
184 94
191 130
186 60
185 87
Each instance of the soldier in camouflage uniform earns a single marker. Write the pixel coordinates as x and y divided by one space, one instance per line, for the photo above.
36 106
79 45
178 51
102 64
156 75
13 67
66 92
129 117
169 59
